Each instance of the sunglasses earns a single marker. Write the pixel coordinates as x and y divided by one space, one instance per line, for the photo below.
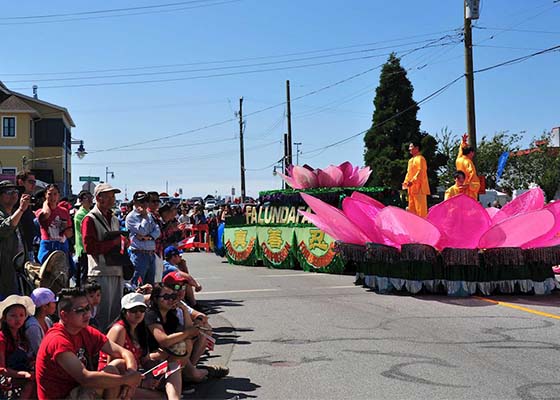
32 181
177 287
168 296
137 309
82 310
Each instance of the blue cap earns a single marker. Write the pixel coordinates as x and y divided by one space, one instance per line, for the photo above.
171 251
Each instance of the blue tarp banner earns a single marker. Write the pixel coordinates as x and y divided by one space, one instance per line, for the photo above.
502 164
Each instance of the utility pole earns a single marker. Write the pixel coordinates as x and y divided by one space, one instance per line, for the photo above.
471 12
289 160
241 150
297 144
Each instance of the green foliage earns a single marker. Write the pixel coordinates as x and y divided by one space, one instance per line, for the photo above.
394 126
448 148
540 164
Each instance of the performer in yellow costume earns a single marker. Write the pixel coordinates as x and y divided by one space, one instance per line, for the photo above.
465 163
458 187
416 181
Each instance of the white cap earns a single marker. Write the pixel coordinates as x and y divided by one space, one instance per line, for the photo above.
132 300
104 187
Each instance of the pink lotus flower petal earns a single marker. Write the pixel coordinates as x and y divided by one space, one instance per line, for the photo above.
363 215
461 221
517 230
492 211
304 177
552 237
336 175
364 198
290 181
331 220
403 227
531 200
364 174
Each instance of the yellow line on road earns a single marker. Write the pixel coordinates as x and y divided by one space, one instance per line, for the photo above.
520 308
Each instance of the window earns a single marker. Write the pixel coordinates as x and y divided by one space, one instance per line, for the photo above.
9 127
9 171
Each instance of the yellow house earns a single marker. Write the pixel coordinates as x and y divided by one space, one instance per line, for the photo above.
35 135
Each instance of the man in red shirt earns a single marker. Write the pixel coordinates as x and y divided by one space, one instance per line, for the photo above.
100 236
65 359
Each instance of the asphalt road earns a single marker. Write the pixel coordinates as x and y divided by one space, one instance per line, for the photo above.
294 335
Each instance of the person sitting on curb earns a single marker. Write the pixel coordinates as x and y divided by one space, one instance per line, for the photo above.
178 281
37 325
14 347
164 332
129 331
175 263
64 363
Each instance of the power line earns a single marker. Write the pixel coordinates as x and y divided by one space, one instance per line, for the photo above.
216 68
515 30
240 59
102 11
210 4
519 59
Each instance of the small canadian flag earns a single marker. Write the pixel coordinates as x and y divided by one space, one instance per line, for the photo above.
173 369
187 243
160 369
210 341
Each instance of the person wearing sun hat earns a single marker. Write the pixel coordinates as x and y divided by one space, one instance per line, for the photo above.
13 343
37 325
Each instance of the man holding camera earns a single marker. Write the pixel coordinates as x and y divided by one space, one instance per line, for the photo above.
10 238
26 182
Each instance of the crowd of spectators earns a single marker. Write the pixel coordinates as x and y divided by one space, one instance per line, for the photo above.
128 324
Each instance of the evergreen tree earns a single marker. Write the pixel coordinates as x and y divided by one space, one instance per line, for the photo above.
394 125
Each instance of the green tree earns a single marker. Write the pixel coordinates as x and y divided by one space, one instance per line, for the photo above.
394 124
448 147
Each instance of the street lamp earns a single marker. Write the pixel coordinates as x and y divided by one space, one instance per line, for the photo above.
107 172
81 152
297 144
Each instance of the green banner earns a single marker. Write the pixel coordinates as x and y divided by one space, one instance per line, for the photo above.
315 251
241 245
276 246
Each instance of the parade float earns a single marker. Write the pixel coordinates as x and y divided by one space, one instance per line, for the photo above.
278 235
460 249
328 221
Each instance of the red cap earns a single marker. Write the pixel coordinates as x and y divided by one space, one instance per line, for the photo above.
175 277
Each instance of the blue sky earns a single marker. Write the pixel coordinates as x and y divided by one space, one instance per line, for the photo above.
342 39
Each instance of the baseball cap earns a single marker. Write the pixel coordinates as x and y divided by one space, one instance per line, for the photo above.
14 299
140 196
7 185
103 188
175 277
132 300
42 296
171 251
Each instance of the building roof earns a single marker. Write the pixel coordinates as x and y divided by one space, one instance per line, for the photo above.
4 89
16 105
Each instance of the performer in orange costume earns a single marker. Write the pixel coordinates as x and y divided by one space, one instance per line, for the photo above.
416 181
465 163
458 187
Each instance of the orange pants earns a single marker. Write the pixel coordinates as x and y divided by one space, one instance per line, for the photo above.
418 204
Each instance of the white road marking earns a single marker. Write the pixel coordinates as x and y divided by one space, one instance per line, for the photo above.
289 275
238 291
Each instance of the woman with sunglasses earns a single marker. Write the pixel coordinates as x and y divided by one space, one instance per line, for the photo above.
129 331
164 332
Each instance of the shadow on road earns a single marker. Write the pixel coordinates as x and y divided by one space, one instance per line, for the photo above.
226 388
215 306
227 335
551 300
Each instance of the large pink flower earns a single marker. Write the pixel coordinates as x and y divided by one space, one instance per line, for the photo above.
343 175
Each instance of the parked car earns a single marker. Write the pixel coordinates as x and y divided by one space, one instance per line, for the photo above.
210 204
